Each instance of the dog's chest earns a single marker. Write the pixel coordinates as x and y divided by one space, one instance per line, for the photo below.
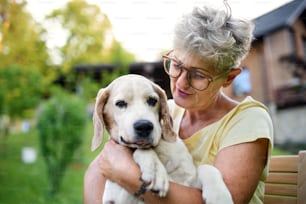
178 162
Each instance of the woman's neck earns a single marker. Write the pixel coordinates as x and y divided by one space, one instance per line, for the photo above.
217 109
194 120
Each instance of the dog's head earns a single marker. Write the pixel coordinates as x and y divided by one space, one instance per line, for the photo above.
134 111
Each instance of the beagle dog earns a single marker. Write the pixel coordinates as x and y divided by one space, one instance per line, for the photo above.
134 112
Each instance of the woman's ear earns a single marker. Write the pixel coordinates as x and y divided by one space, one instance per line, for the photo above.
231 76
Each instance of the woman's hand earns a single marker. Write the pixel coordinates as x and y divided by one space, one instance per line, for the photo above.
116 162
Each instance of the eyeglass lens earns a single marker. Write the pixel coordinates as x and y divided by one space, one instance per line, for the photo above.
195 80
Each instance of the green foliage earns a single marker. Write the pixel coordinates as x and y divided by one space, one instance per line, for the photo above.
108 77
291 146
118 55
23 45
21 39
280 151
61 123
87 29
90 39
27 183
88 89
20 90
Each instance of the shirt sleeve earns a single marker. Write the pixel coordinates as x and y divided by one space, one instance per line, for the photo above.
248 126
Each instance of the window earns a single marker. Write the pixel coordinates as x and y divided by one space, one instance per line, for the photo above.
242 83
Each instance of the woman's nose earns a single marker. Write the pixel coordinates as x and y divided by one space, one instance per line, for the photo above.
182 80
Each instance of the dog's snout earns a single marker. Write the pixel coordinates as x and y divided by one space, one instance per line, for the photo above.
143 128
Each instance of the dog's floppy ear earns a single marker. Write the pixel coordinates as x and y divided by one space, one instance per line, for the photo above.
166 120
98 120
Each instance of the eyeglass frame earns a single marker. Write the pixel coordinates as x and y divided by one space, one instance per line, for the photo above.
182 67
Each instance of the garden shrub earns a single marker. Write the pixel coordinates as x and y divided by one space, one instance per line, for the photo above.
61 123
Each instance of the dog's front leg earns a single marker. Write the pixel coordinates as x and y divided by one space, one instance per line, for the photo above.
111 189
115 194
153 171
214 190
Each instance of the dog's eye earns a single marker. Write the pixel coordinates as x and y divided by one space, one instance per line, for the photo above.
121 104
152 101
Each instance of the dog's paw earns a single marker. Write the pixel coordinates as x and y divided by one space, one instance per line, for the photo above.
160 183
214 190
152 171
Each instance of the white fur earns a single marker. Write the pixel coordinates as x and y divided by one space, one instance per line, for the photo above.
160 154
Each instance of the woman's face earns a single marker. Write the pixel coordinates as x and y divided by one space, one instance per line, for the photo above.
184 94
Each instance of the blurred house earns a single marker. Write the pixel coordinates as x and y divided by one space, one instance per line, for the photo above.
277 66
277 60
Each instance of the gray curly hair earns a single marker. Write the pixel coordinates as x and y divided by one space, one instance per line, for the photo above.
214 35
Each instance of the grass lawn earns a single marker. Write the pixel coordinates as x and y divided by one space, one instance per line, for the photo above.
27 183
278 151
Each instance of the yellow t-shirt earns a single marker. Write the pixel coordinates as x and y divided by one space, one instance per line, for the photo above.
247 122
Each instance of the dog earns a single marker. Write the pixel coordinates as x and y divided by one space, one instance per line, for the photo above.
134 112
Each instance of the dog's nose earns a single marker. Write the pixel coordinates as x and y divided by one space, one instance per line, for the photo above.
143 128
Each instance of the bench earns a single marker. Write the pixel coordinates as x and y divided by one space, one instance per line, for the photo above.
286 182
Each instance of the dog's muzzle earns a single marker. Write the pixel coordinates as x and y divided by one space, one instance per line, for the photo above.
143 128
143 137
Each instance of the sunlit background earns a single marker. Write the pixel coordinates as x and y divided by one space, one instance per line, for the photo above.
56 54
142 26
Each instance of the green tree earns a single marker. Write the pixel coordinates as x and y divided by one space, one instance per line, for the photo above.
87 29
90 39
21 38
20 91
22 46
61 123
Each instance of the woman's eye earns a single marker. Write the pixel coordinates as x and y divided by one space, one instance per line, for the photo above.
121 104
152 101
176 64
198 75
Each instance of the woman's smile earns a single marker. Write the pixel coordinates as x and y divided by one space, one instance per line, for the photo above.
182 93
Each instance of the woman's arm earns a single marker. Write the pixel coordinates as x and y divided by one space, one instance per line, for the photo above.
241 167
93 183
116 163
177 194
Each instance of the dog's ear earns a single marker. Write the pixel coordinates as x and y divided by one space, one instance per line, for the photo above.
166 119
98 121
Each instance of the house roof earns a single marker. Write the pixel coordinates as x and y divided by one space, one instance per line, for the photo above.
281 17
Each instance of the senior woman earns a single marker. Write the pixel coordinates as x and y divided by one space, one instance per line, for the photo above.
235 137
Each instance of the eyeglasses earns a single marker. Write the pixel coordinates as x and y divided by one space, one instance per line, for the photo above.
196 78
